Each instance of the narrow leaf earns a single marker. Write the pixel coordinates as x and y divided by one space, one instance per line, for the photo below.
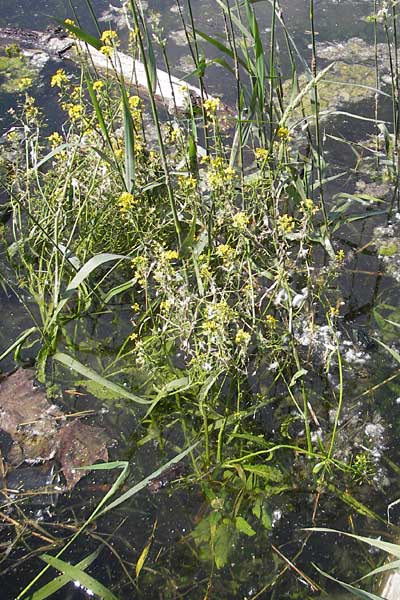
74 573
90 266
75 365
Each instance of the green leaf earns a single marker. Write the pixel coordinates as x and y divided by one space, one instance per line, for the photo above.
74 573
222 544
75 365
355 591
392 351
271 474
18 342
91 265
388 547
142 484
81 34
151 63
243 526
56 584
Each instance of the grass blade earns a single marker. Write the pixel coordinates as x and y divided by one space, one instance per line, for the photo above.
75 365
142 484
350 588
90 266
53 586
74 573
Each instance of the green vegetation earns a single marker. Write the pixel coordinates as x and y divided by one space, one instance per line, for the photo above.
208 241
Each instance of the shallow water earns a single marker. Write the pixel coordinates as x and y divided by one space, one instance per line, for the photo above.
363 291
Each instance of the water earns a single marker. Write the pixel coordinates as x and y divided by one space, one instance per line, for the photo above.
176 567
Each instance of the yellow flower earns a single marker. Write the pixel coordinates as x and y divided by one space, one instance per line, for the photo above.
286 223
165 306
107 50
187 184
24 83
59 78
270 321
134 336
135 102
31 110
70 22
340 256
282 132
333 311
98 85
108 36
225 252
135 306
210 326
261 153
240 221
75 111
169 255
126 201
242 337
308 206
55 139
211 105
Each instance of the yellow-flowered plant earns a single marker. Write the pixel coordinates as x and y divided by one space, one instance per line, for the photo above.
59 78
126 201
211 105
98 85
242 337
240 221
225 252
286 223
55 139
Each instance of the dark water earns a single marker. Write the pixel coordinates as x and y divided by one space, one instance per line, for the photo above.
362 290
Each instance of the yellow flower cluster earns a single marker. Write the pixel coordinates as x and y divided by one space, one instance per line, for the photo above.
225 252
211 105
75 111
72 24
168 255
282 132
187 184
110 41
55 139
286 223
165 306
135 105
261 154
98 85
242 338
59 78
24 83
308 206
240 221
107 51
30 109
109 37
270 321
219 174
126 202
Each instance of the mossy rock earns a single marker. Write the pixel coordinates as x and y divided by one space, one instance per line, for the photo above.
16 73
